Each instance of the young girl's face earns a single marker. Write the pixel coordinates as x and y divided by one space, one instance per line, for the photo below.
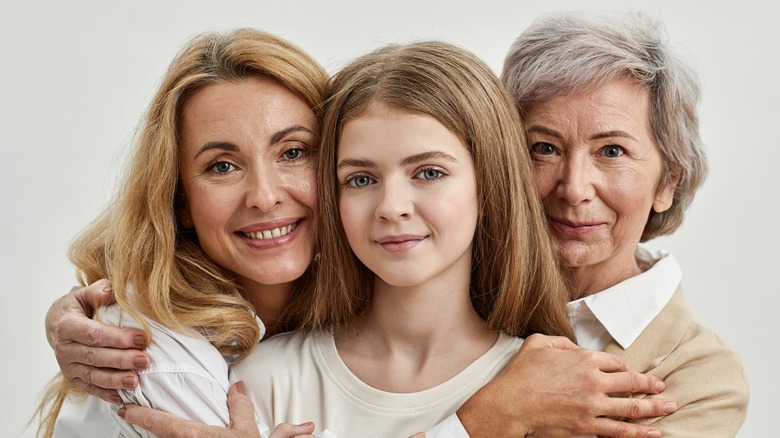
408 197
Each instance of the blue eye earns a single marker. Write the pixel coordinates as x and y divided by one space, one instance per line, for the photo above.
429 174
612 151
222 167
359 181
293 154
543 148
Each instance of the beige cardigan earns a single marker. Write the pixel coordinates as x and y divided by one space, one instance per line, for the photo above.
703 375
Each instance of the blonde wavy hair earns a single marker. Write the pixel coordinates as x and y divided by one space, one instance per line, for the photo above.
157 268
515 284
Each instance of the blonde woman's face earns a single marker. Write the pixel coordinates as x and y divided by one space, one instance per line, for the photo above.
408 198
597 168
248 175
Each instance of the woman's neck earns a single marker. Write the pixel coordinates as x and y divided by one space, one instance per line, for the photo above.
414 338
588 280
270 302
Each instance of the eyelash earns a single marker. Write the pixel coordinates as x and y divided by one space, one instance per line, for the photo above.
440 173
304 152
536 145
212 167
602 151
621 150
348 183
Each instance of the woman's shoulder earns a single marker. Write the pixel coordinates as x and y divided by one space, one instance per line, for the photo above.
173 351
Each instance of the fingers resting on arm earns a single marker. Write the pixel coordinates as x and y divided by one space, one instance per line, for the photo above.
552 389
242 421
286 430
94 357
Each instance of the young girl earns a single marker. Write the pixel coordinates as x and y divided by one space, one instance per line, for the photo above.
440 257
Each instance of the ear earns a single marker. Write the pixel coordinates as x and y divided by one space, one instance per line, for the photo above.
184 217
664 197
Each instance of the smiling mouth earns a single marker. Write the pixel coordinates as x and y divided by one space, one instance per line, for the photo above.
273 233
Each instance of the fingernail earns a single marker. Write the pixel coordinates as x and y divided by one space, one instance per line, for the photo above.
654 434
116 398
108 288
141 362
660 386
670 407
139 341
129 382
121 412
306 424
240 387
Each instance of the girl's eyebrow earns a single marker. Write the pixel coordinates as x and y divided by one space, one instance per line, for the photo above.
412 159
416 158
355 162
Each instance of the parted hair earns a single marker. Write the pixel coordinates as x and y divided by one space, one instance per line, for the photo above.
563 53
515 284
156 266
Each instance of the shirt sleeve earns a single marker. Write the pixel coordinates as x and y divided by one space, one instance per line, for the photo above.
450 427
187 377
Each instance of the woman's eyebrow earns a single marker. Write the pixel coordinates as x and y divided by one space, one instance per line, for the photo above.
278 136
225 146
544 130
615 133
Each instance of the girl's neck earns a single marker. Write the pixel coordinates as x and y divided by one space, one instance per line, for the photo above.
414 338
270 302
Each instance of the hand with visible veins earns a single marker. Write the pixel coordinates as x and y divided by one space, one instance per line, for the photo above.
94 357
553 388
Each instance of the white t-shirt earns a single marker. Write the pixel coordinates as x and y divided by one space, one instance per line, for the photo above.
297 377
187 377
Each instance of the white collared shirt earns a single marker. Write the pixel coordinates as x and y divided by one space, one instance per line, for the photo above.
623 311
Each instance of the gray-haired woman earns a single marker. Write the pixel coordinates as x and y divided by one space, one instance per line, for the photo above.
611 121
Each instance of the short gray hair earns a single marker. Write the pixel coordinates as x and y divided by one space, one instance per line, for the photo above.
564 53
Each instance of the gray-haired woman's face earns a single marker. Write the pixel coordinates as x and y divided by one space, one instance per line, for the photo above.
597 168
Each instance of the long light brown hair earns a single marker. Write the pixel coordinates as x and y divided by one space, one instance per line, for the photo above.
157 268
515 284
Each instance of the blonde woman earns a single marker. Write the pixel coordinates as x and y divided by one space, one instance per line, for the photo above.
213 227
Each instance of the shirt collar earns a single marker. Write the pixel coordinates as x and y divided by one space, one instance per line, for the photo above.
626 308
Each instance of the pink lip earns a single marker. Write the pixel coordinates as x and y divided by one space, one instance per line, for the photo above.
401 242
572 228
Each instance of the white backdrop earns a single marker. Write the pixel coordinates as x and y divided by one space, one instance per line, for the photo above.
75 78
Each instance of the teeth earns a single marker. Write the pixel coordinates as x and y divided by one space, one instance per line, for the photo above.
270 234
